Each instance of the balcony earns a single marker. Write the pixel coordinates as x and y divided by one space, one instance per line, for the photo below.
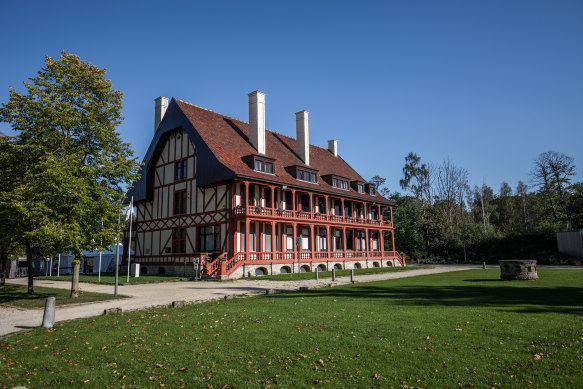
299 216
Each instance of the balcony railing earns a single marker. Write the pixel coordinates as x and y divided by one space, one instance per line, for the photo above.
303 216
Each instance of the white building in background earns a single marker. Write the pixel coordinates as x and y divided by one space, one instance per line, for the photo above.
89 265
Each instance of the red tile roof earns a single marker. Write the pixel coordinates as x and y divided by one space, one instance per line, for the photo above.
228 139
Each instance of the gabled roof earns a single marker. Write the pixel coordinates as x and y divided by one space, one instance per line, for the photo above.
223 142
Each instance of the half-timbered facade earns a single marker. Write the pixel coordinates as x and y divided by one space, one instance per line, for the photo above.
244 200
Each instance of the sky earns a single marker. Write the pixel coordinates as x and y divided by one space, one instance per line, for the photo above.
488 84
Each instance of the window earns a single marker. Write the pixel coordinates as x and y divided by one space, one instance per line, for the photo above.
307 175
360 188
208 238
180 169
288 201
179 240
375 241
267 237
305 202
289 238
180 202
338 240
252 237
349 240
360 241
371 190
263 166
323 239
339 183
305 239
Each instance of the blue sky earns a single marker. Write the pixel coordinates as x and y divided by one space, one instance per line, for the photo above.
489 84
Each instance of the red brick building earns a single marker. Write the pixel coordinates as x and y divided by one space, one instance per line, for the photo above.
243 199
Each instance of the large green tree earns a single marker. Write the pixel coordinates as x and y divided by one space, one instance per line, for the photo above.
78 166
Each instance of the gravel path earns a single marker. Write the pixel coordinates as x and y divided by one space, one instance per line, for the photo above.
145 296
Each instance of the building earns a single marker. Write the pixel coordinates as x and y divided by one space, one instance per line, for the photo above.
244 200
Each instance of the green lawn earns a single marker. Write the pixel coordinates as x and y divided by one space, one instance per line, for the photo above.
110 279
462 329
16 295
339 273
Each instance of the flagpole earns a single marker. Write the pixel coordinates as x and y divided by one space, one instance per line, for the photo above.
117 256
131 212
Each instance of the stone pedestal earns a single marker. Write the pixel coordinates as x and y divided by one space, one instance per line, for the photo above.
518 269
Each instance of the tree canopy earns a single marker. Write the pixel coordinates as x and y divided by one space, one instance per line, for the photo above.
70 165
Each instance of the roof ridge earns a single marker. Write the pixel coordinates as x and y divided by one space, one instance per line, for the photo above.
210 110
242 121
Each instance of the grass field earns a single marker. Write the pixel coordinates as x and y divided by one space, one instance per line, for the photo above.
16 295
110 279
462 329
339 273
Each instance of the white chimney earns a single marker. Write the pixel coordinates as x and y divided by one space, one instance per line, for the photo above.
257 120
303 136
333 146
161 106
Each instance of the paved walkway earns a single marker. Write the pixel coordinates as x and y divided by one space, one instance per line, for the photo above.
144 296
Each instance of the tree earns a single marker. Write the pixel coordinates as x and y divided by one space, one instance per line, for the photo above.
76 160
552 174
417 177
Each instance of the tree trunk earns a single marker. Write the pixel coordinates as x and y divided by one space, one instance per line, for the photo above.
3 270
75 282
30 268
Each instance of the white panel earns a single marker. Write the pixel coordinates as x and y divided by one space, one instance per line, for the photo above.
155 242
220 193
192 236
171 145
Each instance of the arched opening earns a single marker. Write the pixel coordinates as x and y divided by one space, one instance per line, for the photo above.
338 266
285 270
260 271
389 263
357 265
322 267
376 264
305 269
161 271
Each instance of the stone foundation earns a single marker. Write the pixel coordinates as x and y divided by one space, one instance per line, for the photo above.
307 267
524 269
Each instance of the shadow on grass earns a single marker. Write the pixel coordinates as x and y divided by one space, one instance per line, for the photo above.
560 299
14 293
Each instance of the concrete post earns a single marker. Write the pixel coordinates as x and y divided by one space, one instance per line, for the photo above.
351 275
49 315
483 265
317 274
333 274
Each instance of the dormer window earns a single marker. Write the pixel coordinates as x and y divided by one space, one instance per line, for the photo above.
260 163
337 181
264 166
371 189
303 173
306 175
357 186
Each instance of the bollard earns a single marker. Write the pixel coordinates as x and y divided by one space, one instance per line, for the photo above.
352 276
333 274
49 315
317 274
249 274
483 265
178 304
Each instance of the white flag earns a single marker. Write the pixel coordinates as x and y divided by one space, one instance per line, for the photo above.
130 210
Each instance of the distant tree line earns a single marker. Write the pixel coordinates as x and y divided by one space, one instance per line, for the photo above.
439 216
